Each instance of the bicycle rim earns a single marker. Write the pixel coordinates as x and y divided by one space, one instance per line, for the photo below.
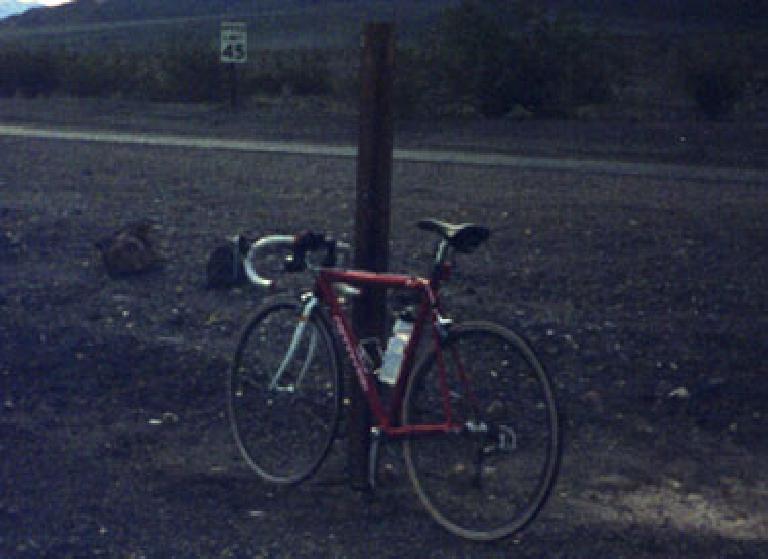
284 393
490 480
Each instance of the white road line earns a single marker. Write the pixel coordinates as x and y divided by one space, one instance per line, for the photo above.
195 142
589 166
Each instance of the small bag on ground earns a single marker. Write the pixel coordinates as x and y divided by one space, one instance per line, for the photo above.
225 264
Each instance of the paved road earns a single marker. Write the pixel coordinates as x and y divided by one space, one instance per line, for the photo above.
590 166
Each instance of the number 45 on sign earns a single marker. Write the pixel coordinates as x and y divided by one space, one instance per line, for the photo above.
234 42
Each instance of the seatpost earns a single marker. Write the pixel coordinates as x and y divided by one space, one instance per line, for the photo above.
441 252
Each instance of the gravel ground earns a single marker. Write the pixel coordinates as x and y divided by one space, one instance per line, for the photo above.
646 299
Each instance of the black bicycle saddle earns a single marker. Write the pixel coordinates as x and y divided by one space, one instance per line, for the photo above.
463 237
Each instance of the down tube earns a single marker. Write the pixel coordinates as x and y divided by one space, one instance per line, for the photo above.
352 345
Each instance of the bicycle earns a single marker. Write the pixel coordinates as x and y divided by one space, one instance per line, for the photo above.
476 415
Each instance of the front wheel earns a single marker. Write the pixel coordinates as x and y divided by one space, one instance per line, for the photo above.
492 476
284 392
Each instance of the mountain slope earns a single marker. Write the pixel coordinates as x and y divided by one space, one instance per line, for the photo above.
675 12
97 11
272 24
309 24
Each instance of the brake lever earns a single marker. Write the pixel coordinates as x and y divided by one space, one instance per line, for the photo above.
293 265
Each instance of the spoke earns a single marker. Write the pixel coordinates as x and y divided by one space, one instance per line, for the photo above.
318 410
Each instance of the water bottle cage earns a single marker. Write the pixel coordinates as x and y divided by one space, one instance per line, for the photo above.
373 354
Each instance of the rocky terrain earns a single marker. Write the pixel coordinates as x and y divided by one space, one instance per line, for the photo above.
644 295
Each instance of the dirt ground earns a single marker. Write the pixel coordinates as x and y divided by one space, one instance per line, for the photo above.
645 297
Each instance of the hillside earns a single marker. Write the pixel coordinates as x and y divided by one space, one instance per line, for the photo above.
165 51
671 12
676 12
272 24
100 11
279 24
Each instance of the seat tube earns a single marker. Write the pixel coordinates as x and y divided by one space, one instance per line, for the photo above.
441 252
442 370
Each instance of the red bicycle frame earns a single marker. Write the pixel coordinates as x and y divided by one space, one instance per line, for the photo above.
429 312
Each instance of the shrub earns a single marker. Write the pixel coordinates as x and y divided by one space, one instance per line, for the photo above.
494 55
295 72
189 74
175 74
262 83
410 91
92 75
30 73
470 58
716 90
716 76
561 66
8 78
309 76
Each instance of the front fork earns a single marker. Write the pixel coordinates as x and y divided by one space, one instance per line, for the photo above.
311 302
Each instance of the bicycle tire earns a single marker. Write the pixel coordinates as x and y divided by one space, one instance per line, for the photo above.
284 430
508 471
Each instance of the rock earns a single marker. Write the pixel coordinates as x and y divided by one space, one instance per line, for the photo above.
712 403
171 340
129 251
594 400
617 482
662 390
170 417
587 112
673 484
643 426
681 393
519 113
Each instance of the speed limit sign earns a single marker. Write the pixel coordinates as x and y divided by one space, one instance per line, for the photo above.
234 42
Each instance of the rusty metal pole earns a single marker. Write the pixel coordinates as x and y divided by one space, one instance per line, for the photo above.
374 177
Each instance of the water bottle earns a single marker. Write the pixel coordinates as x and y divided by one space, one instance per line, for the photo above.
393 356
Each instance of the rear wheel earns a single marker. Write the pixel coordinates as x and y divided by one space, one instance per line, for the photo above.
491 478
284 392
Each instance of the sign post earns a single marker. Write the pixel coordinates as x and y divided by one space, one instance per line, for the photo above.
374 177
233 51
